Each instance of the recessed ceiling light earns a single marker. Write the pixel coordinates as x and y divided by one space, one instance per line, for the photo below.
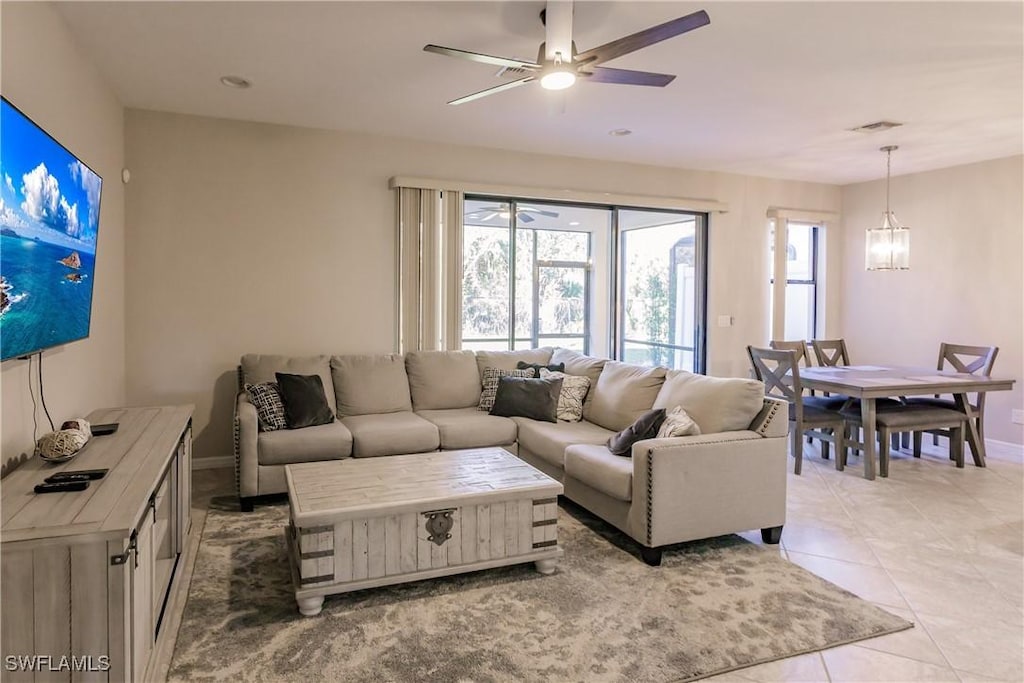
620 132
235 82
574 222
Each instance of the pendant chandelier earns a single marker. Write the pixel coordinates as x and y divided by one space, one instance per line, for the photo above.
887 247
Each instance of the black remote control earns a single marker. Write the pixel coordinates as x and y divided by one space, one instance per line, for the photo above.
104 429
58 487
76 475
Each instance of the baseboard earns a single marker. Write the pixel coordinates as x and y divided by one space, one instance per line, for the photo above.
1004 450
213 463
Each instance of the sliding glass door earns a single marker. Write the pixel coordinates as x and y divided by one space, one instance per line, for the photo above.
661 288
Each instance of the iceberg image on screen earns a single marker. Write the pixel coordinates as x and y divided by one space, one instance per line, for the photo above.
49 217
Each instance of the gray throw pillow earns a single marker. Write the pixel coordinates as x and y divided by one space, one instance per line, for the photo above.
645 427
536 399
537 367
305 404
491 377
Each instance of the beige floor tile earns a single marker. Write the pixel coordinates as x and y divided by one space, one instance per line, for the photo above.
836 543
807 667
731 677
937 560
971 602
991 650
855 663
914 643
871 583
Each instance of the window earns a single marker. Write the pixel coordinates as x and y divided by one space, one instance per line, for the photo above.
603 280
661 289
801 315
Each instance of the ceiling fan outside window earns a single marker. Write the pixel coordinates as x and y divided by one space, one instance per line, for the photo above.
523 213
559 65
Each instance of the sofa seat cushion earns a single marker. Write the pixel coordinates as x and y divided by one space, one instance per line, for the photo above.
470 428
548 440
600 469
391 434
370 384
331 441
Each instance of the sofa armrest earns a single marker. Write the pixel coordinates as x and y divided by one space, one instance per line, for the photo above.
246 455
773 420
708 485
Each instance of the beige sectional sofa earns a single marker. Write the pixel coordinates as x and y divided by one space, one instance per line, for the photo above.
730 478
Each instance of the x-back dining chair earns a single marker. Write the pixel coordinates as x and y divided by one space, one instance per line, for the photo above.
972 360
831 352
779 370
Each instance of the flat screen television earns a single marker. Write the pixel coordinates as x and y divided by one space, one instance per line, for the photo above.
49 217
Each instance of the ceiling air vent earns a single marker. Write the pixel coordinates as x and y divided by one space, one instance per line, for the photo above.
511 71
876 127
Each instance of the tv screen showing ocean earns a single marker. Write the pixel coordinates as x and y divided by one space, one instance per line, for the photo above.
49 217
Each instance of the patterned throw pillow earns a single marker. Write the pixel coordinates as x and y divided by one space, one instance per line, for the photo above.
269 409
678 423
570 400
491 377
537 367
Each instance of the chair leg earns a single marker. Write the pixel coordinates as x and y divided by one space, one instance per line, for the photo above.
840 435
935 439
894 441
798 448
918 438
905 441
883 452
956 445
825 446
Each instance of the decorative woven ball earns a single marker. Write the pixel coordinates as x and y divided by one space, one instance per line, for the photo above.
79 424
62 445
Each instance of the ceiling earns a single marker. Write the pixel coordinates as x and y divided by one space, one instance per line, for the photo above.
768 89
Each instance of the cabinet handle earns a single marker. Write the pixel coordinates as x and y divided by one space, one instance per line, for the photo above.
133 545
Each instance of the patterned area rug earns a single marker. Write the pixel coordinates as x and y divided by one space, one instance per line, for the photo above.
712 606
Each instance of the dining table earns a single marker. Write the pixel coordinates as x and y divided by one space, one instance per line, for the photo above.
868 383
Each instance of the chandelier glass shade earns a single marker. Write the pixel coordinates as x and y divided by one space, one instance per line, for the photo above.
887 247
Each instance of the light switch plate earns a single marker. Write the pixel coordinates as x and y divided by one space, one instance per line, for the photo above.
1017 417
725 321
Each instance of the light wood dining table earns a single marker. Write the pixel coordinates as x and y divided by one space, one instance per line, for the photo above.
871 382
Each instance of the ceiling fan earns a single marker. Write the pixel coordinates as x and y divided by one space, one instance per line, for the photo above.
559 65
522 214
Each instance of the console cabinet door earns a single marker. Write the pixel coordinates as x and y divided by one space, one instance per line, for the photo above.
142 598
184 500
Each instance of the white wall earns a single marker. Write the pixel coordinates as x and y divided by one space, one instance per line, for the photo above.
965 283
247 237
43 74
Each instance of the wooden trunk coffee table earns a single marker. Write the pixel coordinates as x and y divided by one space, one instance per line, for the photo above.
366 522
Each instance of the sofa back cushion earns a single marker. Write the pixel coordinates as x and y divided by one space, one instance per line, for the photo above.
623 392
507 360
716 404
439 380
578 364
261 367
370 385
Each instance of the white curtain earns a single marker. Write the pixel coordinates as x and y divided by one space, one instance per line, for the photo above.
430 269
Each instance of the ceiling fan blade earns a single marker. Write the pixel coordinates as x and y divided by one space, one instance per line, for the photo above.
645 38
603 74
558 29
524 217
549 214
480 57
492 91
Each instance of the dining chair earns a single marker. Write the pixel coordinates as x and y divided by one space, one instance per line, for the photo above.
972 360
779 370
830 352
894 418
803 355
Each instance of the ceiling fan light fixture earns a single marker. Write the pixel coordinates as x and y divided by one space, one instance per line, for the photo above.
558 78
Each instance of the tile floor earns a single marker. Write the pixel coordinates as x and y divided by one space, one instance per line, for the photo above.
939 546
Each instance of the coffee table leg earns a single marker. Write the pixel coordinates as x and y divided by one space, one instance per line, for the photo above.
310 607
546 566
